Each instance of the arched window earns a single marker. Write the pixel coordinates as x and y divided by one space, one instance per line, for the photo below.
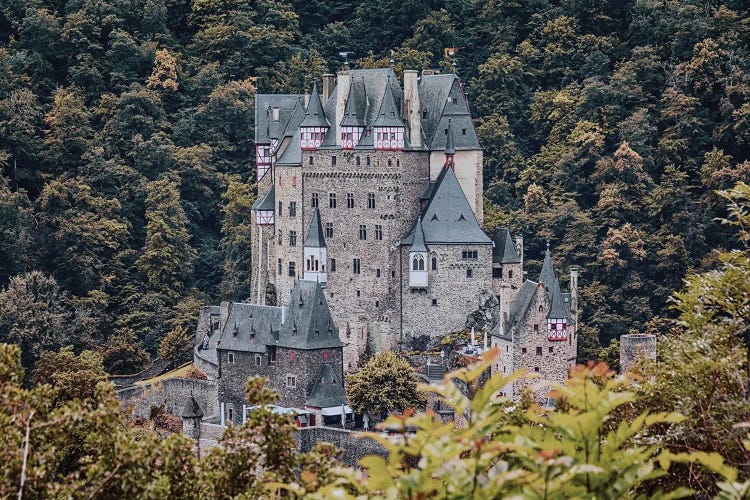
417 263
434 263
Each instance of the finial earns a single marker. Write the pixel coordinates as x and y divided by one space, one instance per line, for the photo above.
547 244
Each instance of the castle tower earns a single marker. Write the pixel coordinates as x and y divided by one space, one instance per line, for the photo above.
418 259
574 293
191 419
557 318
314 126
315 252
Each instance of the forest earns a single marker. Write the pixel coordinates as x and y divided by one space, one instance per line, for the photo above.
126 147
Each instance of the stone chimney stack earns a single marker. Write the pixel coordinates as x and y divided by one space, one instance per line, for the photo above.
411 103
329 81
342 94
519 249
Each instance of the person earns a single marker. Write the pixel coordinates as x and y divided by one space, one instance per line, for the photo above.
366 421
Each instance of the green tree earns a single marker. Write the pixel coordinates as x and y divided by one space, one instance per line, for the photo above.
71 376
176 347
386 383
167 255
236 242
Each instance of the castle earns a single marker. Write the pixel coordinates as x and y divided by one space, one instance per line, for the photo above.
375 191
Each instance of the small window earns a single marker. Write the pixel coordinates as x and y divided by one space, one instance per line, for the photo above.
258 360
497 272
272 354
292 209
434 263
393 274
538 351
230 415
329 230
523 350
434 302
536 327
358 161
370 200
291 380
362 232
314 200
425 114
333 268
230 358
292 269
463 131
551 349
469 254
359 293
331 200
356 268
536 369
367 159
469 273
378 232
333 161
311 160
281 205
390 162
280 239
454 100
349 200
377 273
292 238
510 274
377 303
417 263
281 267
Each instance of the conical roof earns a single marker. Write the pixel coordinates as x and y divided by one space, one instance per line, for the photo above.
418 244
557 308
314 114
191 409
315 232
449 147
547 276
309 324
505 251
389 115
327 390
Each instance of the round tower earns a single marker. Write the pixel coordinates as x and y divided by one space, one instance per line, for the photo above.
191 419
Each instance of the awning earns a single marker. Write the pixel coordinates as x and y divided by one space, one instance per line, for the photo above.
334 410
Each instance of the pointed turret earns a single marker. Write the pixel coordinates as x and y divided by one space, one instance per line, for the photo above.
314 125
388 126
418 276
315 252
558 315
450 149
547 276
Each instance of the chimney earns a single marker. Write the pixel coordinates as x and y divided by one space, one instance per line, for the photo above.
342 94
574 292
329 81
411 102
519 248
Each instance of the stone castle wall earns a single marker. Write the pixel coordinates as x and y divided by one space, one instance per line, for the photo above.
172 393
355 445
634 345
450 295
288 190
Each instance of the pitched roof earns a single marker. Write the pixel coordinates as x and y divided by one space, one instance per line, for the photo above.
357 106
505 251
448 218
389 114
547 275
308 324
314 114
418 243
292 155
315 232
558 307
520 303
191 409
327 389
266 128
436 95
250 327
267 202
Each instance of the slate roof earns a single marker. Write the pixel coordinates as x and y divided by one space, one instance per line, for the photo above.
267 202
448 218
558 307
450 149
418 240
266 128
314 114
505 251
389 114
547 275
292 155
357 106
520 303
308 323
315 232
327 390
191 409
250 327
436 93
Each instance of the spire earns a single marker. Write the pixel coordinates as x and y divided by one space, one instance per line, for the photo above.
418 244
314 114
450 149
557 308
315 232
388 115
547 276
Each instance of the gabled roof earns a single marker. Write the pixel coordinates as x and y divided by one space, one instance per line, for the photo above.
266 128
327 390
315 232
356 109
308 324
389 114
436 95
448 218
267 202
418 244
505 251
249 327
314 114
520 303
292 155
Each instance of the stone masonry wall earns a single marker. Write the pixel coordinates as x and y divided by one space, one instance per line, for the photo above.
288 190
634 345
366 305
172 393
455 294
354 445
